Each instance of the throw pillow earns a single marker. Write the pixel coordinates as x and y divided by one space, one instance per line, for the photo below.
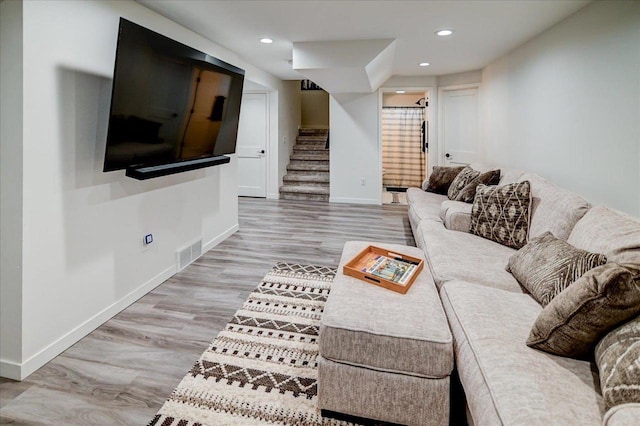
501 213
468 193
463 179
547 265
578 317
441 178
617 357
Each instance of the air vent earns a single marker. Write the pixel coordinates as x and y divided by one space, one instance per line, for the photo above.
187 255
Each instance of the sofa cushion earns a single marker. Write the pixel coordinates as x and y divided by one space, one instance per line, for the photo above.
617 356
505 381
463 179
547 265
409 332
501 213
463 256
456 215
423 205
468 193
553 209
440 179
606 231
577 318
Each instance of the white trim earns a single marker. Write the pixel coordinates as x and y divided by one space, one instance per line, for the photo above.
355 200
441 90
10 370
16 371
220 238
273 196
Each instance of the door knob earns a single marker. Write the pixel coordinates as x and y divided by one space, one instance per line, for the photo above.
262 151
447 155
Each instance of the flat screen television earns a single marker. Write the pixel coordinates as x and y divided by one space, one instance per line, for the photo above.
170 103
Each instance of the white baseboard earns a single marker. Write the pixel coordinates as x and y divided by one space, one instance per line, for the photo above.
21 371
355 200
10 370
273 196
220 238
17 371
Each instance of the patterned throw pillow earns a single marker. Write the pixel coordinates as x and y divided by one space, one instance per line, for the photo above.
463 179
441 178
617 357
468 193
578 317
501 213
547 265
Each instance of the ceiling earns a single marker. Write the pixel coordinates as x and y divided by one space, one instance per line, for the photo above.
484 30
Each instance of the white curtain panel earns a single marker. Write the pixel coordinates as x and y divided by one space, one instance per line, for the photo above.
402 156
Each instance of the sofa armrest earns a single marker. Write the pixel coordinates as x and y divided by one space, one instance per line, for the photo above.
456 215
622 415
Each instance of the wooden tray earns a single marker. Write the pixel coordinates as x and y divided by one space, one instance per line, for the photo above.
357 268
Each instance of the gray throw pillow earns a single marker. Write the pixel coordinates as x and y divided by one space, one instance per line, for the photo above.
501 213
577 318
617 357
463 179
468 193
547 265
441 178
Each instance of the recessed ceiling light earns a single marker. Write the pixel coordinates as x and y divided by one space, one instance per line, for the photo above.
444 33
401 91
424 64
266 40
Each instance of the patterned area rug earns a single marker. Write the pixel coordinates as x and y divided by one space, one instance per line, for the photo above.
261 369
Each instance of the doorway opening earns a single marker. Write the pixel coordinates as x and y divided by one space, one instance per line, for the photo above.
405 142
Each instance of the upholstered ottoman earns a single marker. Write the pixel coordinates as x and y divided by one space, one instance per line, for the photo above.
384 355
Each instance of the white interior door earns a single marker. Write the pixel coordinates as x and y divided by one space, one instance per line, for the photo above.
253 130
459 125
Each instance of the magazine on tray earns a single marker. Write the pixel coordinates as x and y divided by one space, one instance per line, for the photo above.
395 270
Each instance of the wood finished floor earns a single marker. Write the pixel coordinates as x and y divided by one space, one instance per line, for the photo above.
122 372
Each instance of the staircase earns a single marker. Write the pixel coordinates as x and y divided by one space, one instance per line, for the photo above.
307 175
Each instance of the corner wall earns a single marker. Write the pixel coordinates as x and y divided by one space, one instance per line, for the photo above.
567 105
289 112
355 162
83 259
10 186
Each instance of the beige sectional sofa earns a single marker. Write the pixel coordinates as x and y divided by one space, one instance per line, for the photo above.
491 315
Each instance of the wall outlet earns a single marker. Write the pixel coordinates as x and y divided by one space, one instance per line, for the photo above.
363 181
148 239
284 140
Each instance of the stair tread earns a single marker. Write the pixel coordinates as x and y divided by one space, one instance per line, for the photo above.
306 177
314 168
304 157
309 139
305 189
310 147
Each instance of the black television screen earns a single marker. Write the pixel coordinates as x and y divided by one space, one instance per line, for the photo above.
169 102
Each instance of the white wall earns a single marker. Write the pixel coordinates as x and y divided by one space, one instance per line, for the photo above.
289 111
567 105
468 77
11 182
314 108
83 259
355 149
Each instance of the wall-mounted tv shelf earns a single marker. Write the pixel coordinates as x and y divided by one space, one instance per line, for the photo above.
148 172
